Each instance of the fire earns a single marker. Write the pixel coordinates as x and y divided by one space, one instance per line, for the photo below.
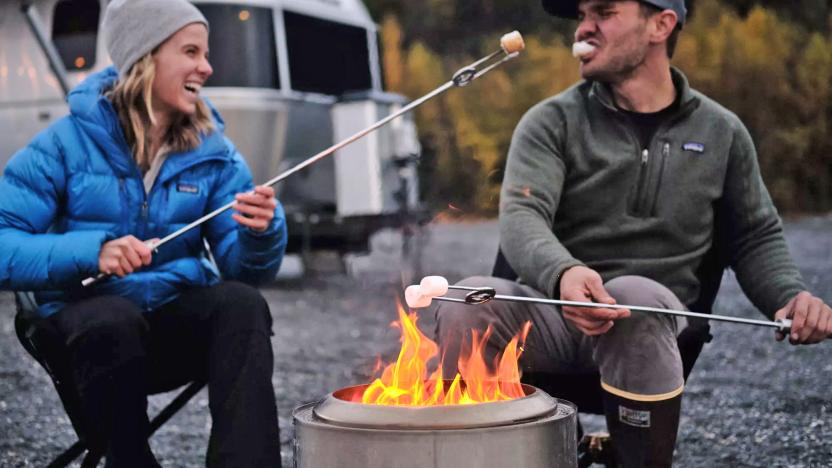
408 381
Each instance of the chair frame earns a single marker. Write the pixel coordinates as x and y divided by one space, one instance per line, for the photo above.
25 319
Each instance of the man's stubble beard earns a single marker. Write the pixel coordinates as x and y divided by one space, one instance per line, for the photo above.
629 59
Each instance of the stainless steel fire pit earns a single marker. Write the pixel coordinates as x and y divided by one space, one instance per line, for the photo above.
535 431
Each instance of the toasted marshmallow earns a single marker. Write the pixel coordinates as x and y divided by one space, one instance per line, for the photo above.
512 42
582 48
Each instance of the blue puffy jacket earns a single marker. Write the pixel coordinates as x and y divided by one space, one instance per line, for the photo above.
76 186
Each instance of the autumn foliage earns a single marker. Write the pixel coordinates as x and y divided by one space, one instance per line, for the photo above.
771 67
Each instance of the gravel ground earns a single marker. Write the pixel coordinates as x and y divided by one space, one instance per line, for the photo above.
749 402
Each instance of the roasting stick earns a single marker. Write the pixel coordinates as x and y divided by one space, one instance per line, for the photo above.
435 287
510 46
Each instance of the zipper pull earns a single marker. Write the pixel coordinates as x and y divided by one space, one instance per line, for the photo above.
666 149
645 155
144 209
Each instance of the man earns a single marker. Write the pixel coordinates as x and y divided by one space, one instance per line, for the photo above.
631 188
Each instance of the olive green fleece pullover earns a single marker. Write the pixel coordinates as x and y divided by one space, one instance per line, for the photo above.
579 190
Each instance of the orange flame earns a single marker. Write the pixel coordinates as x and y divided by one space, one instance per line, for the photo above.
408 382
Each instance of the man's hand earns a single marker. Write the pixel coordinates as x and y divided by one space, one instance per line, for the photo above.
124 255
811 319
585 285
255 210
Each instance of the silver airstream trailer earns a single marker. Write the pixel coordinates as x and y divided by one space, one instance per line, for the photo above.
291 78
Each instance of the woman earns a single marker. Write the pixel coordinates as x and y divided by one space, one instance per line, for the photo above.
140 155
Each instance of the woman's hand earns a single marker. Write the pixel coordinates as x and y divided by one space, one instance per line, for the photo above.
255 210
124 255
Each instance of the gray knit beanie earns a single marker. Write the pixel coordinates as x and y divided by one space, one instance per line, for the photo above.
133 28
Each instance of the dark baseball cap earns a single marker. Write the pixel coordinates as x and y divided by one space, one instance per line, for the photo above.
569 8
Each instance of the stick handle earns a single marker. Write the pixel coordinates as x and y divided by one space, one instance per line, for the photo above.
92 280
783 325
682 313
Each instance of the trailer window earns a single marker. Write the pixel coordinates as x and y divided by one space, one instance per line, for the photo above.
75 32
242 47
326 57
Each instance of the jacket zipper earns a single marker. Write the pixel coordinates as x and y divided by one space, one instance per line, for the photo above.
647 193
642 182
145 216
145 209
655 198
638 208
125 203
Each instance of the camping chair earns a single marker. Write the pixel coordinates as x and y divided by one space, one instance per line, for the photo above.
584 389
37 345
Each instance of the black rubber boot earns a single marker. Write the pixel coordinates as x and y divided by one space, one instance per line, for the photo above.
643 433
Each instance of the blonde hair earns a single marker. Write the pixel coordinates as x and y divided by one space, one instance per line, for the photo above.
131 98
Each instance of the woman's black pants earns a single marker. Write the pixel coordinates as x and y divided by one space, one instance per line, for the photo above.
113 355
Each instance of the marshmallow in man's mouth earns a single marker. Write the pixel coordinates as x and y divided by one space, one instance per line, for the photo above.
582 48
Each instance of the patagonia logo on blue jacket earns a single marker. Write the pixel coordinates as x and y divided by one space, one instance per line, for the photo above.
694 147
187 188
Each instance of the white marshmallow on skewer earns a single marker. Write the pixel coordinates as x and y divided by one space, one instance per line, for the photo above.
414 298
433 286
582 48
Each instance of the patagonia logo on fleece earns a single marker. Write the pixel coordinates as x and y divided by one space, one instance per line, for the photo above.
187 188
694 147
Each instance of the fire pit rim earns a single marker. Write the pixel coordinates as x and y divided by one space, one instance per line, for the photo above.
535 405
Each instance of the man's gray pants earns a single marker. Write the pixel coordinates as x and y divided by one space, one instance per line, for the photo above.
638 358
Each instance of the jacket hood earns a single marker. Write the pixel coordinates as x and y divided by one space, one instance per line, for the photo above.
97 117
